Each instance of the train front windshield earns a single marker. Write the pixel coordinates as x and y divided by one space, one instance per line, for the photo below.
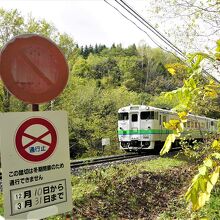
123 116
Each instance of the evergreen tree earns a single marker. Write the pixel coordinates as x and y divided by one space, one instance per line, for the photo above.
81 51
90 49
86 52
113 46
96 49
131 50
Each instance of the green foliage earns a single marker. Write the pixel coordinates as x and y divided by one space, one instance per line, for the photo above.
193 90
202 184
194 24
92 112
13 23
164 101
122 186
86 51
137 71
177 209
177 126
217 54
89 182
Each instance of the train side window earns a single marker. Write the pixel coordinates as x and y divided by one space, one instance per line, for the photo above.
188 124
212 123
196 125
134 117
160 120
147 115
164 119
151 115
156 115
202 125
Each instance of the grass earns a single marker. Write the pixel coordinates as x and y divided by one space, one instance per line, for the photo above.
99 194
86 183
178 210
116 191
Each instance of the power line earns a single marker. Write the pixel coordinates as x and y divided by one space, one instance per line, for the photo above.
163 38
153 40
149 26
140 28
132 12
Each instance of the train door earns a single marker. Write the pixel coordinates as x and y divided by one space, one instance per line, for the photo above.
144 120
163 129
134 121
160 125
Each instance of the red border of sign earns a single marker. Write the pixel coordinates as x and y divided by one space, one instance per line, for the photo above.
21 130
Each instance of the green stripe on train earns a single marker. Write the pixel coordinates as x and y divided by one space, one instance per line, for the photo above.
150 131
156 131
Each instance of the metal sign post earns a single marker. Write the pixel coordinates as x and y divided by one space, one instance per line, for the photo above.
35 107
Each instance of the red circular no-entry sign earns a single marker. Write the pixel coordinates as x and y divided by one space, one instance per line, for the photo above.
36 139
33 68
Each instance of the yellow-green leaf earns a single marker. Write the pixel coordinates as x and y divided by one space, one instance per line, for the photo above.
202 170
216 145
167 145
214 176
181 127
216 155
208 162
172 71
201 201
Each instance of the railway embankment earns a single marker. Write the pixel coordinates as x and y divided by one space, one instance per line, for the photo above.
152 189
142 190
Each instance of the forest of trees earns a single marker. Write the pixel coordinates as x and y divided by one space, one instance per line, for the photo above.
102 79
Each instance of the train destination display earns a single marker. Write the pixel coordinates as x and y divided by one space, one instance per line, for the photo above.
35 164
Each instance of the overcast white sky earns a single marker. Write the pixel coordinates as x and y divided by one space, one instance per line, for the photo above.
87 21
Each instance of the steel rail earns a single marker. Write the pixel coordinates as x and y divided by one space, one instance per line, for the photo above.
88 162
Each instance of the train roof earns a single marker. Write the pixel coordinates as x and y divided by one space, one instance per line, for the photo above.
131 108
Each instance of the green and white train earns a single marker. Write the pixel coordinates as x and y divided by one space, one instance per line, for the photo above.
141 127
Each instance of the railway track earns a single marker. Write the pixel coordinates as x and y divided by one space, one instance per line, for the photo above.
87 162
82 163
95 161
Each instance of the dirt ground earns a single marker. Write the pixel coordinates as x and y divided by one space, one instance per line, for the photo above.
143 196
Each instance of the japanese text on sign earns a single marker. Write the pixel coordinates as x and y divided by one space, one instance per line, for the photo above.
35 197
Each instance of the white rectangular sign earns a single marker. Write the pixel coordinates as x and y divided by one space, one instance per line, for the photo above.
105 141
35 164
